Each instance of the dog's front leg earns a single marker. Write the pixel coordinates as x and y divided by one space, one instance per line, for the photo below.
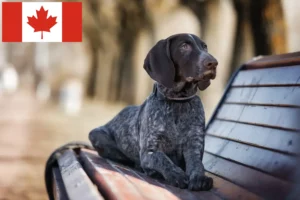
158 161
193 153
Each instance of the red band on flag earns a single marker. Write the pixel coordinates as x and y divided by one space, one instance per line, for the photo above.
72 22
11 21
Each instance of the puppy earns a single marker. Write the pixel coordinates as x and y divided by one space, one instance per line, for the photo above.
165 135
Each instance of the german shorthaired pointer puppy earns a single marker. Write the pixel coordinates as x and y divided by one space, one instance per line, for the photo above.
165 135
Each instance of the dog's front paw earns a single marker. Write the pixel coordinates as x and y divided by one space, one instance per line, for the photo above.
200 182
177 178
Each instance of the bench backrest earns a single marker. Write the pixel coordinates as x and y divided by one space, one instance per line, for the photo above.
253 138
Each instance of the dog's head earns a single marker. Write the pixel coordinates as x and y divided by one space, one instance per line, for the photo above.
181 57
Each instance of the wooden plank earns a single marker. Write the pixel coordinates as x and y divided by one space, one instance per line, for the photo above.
275 139
274 61
146 183
77 183
228 190
113 184
266 77
162 185
59 191
283 96
266 186
280 117
222 188
276 164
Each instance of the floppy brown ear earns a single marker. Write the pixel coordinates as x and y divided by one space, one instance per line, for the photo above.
159 65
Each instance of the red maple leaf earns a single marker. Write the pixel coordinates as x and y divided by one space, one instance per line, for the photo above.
41 23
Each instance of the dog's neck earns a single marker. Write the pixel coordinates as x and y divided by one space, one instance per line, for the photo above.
182 91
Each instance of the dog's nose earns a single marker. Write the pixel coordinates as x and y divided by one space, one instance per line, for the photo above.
211 63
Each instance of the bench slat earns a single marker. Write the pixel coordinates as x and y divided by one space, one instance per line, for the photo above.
272 76
161 186
274 163
228 190
257 182
275 139
279 117
222 188
281 96
278 60
59 190
115 185
78 185
145 183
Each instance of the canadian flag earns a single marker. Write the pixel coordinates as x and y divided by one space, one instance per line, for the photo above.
41 21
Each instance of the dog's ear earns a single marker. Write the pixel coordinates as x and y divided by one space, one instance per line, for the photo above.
159 65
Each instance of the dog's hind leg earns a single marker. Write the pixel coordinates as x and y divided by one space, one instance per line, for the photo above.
103 141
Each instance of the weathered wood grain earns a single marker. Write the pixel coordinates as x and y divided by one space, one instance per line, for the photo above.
77 183
112 184
276 96
276 164
264 185
279 117
281 76
59 191
269 138
271 61
151 186
156 189
228 190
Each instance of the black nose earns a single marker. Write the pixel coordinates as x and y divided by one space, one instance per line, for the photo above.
211 63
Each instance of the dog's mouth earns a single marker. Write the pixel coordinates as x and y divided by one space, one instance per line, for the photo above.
206 76
209 74
203 81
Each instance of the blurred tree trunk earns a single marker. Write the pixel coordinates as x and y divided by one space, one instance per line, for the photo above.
244 44
292 15
3 55
112 34
41 63
199 8
260 30
91 29
133 19
268 27
91 88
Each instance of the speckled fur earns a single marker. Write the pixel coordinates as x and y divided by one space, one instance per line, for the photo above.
162 136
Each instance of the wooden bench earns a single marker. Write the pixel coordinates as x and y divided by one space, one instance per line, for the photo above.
252 146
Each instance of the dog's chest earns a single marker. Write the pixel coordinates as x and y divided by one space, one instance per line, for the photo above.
179 118
168 124
182 115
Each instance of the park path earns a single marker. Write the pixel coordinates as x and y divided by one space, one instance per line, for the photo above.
29 132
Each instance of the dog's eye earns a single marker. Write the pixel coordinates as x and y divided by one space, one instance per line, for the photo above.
205 47
185 46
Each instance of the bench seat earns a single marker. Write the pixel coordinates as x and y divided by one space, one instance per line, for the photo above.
252 146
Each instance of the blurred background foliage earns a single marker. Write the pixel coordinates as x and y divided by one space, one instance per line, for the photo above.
117 34
94 79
